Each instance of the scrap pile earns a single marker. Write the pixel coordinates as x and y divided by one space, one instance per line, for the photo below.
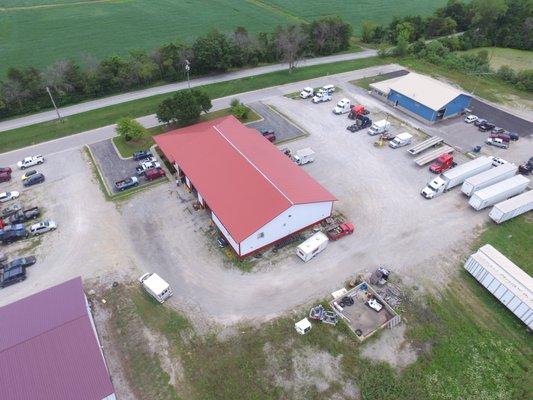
318 313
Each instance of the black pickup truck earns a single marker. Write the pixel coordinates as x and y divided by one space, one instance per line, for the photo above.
22 216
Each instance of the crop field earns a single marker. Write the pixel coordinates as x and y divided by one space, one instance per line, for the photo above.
39 32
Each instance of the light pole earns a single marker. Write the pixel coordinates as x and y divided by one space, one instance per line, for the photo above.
187 69
54 103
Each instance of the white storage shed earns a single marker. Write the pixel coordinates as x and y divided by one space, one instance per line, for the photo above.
505 280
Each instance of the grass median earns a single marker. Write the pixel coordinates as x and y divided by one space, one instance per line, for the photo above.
469 346
38 133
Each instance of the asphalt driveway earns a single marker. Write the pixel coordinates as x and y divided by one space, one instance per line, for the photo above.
285 129
502 118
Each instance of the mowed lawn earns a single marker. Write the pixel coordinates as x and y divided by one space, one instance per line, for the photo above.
516 59
39 32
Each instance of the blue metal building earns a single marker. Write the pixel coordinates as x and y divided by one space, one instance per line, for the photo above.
423 97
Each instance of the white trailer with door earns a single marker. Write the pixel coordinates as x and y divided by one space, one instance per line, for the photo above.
498 192
512 207
488 178
505 280
304 156
312 246
156 286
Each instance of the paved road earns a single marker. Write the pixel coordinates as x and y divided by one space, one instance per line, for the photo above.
140 94
106 132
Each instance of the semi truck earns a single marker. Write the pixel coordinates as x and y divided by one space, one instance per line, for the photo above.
343 106
488 178
378 127
312 246
304 156
512 207
498 192
403 139
456 176
156 286
443 163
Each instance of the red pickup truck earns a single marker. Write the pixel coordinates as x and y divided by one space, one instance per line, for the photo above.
340 231
154 173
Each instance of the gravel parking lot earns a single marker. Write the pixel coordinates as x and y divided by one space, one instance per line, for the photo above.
112 167
285 130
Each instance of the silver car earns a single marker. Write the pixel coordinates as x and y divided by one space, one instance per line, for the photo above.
42 227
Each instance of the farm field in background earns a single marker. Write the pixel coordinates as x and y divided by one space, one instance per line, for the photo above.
39 32
516 59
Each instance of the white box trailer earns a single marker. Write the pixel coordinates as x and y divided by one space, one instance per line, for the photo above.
156 286
312 246
505 280
456 176
304 156
498 192
487 178
512 207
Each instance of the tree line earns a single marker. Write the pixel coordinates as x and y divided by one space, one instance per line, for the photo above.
23 90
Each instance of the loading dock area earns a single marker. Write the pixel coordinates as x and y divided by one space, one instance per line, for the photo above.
363 320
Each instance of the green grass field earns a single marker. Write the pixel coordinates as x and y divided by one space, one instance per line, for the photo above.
39 32
516 59
471 346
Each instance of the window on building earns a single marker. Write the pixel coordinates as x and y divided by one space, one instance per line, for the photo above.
261 235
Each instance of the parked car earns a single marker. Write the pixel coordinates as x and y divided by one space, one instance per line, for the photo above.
513 135
145 166
11 236
12 276
374 304
43 227
487 126
268 134
479 121
503 136
497 143
127 183
7 196
222 242
469 119
5 176
22 216
6 170
154 173
527 167
27 174
30 161
142 155
12 209
497 130
33 180
21 262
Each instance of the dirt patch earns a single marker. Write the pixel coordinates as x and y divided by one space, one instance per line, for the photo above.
392 348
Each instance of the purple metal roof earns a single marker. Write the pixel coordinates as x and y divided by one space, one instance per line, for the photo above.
48 348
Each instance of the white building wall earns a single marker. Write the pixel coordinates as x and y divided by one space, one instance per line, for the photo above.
295 218
226 234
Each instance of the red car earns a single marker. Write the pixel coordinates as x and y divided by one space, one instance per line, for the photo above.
5 176
154 173
268 134
5 169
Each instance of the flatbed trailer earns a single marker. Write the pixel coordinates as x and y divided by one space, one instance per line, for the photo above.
433 155
426 144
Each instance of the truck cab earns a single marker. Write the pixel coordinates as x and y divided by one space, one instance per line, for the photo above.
443 163
342 107
434 188
321 96
306 92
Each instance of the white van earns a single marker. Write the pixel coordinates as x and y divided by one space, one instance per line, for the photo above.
328 88
342 107
379 127
156 286
403 139
312 246
321 96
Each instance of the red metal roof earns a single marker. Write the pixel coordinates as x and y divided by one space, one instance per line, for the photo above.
245 180
48 348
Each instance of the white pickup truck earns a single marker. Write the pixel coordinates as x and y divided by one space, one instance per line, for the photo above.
30 161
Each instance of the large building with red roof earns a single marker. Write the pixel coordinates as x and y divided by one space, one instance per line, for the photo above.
49 348
256 194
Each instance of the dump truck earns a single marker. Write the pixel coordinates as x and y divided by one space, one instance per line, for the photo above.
340 230
443 163
456 176
304 156
488 178
512 207
498 192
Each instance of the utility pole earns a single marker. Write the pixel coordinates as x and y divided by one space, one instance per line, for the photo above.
54 103
187 69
